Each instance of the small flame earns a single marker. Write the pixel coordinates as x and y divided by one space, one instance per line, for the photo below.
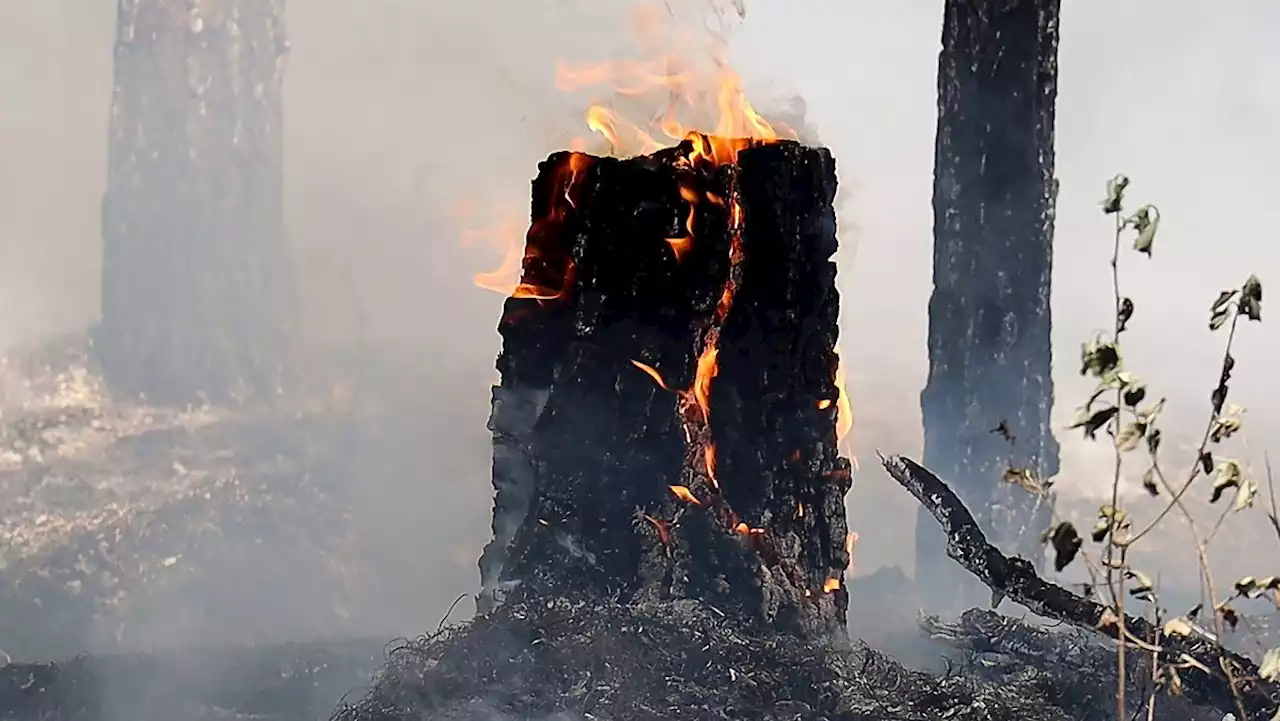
682 244
832 584
709 454
844 408
824 404
707 370
685 495
743 529
652 373
849 542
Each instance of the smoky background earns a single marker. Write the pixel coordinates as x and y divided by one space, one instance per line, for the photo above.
400 112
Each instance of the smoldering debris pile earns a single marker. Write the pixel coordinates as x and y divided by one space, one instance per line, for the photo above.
575 659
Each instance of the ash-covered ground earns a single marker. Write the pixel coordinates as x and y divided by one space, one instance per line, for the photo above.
143 535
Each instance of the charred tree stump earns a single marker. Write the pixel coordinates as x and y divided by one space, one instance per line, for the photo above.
196 294
989 315
665 426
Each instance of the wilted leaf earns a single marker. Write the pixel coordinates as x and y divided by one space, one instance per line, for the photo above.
1066 542
1024 478
1092 422
1149 413
1153 441
1245 493
1149 482
1195 611
1109 520
1251 298
1224 297
1130 436
1254 587
1223 428
1206 462
1177 627
1146 221
1270 668
1099 358
1229 476
1115 194
1142 588
1134 393
1123 314
1218 318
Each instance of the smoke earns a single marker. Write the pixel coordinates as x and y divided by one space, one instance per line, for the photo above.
397 111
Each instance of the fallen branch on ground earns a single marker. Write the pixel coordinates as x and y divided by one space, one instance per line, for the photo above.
1016 579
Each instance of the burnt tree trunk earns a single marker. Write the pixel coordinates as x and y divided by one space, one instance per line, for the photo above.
989 316
197 299
657 289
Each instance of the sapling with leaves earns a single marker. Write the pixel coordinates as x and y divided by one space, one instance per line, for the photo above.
1122 407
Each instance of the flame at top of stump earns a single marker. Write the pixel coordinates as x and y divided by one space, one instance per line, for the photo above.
665 426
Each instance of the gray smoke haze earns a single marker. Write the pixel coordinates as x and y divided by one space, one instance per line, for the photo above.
397 111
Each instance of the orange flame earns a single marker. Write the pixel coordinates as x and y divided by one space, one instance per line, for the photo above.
709 455
824 404
686 100
849 542
743 529
652 373
844 408
707 370
685 495
832 584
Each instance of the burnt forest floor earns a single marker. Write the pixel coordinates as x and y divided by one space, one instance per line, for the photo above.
126 528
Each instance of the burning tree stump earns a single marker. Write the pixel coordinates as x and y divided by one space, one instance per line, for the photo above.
989 316
196 294
665 426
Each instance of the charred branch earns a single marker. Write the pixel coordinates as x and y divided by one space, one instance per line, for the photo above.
1016 579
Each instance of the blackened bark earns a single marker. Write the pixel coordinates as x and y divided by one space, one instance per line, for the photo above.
989 316
592 453
196 289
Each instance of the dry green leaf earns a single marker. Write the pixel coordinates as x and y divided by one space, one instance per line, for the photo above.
1206 462
1246 492
1251 587
1114 201
1025 478
1149 413
1224 428
1251 298
1224 297
1146 221
1130 436
1229 476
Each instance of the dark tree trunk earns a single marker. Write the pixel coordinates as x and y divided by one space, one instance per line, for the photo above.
599 425
196 290
989 316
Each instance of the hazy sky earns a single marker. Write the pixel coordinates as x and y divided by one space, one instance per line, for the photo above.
399 109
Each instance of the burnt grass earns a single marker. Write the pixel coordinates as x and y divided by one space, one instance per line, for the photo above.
560 659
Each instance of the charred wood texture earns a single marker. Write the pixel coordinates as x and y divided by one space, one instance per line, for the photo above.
196 295
665 423
989 315
1016 579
